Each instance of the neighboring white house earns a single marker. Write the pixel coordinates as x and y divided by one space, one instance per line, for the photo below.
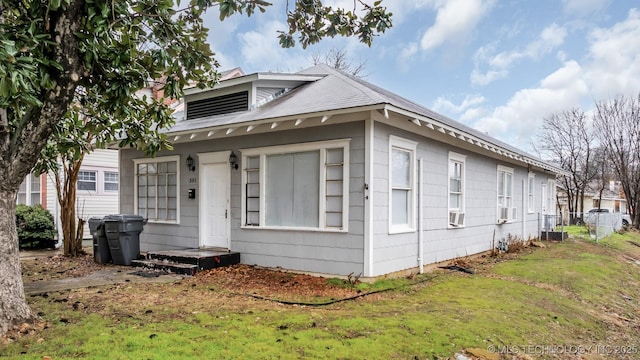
319 171
97 188
612 198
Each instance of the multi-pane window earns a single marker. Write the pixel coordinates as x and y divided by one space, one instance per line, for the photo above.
252 191
35 189
22 192
296 186
551 196
506 210
87 180
29 191
456 189
157 189
531 189
401 184
335 180
110 181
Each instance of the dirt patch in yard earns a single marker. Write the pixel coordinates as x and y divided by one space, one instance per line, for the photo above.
274 284
239 279
58 266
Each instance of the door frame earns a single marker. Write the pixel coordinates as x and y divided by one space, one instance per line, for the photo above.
209 158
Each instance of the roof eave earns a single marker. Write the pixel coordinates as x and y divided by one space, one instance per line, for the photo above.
436 125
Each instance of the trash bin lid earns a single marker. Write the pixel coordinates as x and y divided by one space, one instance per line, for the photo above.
94 223
123 217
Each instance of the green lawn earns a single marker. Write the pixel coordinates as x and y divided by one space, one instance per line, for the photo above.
571 295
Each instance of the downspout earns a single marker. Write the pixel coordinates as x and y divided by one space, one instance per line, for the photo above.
420 218
368 191
525 209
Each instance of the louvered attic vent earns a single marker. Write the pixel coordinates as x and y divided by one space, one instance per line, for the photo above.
218 105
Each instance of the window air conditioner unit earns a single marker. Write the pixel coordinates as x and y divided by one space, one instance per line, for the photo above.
503 213
456 218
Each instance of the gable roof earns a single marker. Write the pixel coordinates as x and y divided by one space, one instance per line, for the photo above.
325 90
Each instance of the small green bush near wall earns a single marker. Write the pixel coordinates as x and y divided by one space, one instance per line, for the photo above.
35 227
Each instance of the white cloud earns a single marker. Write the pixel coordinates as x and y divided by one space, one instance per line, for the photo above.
444 105
518 120
400 9
260 49
580 8
549 39
611 67
479 78
455 19
614 56
473 113
408 52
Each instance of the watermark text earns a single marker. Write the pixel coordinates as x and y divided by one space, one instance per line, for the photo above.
564 349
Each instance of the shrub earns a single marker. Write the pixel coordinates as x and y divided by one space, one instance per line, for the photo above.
35 227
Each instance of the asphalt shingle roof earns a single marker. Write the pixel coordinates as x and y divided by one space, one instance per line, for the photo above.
334 91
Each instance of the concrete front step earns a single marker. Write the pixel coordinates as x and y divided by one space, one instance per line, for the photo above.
188 261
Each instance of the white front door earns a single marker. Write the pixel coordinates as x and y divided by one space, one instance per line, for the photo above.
214 205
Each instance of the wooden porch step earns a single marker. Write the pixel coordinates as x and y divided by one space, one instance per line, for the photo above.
168 266
188 261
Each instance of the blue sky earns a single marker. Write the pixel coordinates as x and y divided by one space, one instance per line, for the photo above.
499 66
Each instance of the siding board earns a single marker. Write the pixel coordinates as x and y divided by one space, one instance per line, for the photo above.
400 251
337 253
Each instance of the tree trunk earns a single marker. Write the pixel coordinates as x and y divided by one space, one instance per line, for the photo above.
72 232
13 306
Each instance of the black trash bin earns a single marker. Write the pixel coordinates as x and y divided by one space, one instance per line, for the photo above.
101 252
123 234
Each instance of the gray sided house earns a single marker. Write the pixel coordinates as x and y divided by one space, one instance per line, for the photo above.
321 172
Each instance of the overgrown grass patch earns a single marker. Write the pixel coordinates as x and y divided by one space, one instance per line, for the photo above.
577 231
573 292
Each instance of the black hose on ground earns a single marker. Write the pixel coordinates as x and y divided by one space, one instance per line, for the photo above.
335 301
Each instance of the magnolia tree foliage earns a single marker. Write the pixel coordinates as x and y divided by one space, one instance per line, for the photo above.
69 70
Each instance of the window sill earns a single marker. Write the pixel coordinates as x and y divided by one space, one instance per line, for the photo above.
455 227
291 228
502 222
401 230
166 222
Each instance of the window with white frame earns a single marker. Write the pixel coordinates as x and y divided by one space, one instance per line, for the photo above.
506 208
22 193
87 180
110 181
157 184
301 186
456 189
401 184
29 191
551 200
531 192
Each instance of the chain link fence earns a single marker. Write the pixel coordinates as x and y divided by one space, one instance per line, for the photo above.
602 224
